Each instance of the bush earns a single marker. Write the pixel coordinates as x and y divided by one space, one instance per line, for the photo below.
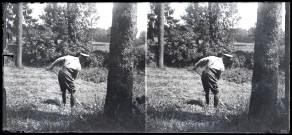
139 57
95 75
243 59
181 50
152 55
97 59
39 51
237 75
8 61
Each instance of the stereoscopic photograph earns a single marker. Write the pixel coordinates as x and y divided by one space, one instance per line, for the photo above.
146 67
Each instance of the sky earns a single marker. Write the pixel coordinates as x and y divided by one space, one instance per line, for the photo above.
105 11
247 12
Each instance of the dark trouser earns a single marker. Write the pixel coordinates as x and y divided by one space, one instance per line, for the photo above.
66 82
209 81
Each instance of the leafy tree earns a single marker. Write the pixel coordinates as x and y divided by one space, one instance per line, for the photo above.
141 40
263 101
118 102
208 30
242 35
180 47
153 25
212 26
100 35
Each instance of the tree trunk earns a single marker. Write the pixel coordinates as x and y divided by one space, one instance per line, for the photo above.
161 35
55 16
211 23
19 17
263 99
118 102
4 114
69 23
287 59
4 29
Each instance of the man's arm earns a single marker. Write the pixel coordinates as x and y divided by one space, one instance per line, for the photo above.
61 59
201 63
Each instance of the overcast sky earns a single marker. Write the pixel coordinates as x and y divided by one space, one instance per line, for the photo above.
247 12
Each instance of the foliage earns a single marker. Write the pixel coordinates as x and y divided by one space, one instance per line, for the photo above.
96 74
65 31
97 59
141 40
237 75
139 57
152 55
242 35
212 25
243 59
100 35
208 31
170 22
39 51
180 49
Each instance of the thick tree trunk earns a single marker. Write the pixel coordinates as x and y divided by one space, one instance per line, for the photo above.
4 116
287 59
161 35
118 103
19 17
263 101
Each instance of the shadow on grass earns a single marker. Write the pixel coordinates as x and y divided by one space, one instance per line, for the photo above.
52 102
41 121
196 122
195 102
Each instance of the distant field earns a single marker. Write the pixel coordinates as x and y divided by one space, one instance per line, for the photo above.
249 47
175 100
34 98
104 48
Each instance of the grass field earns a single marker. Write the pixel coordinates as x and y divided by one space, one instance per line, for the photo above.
175 103
34 98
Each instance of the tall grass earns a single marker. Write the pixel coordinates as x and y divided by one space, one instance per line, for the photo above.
176 102
34 103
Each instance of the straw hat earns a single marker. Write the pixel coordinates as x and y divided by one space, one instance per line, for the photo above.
227 55
84 55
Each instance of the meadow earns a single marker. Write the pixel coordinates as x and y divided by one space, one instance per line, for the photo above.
34 103
176 102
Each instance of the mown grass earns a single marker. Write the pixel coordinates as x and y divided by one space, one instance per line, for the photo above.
175 103
34 99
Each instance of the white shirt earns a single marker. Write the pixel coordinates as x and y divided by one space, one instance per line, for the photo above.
211 62
69 62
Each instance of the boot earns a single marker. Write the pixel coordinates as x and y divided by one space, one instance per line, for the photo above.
72 100
216 100
207 98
